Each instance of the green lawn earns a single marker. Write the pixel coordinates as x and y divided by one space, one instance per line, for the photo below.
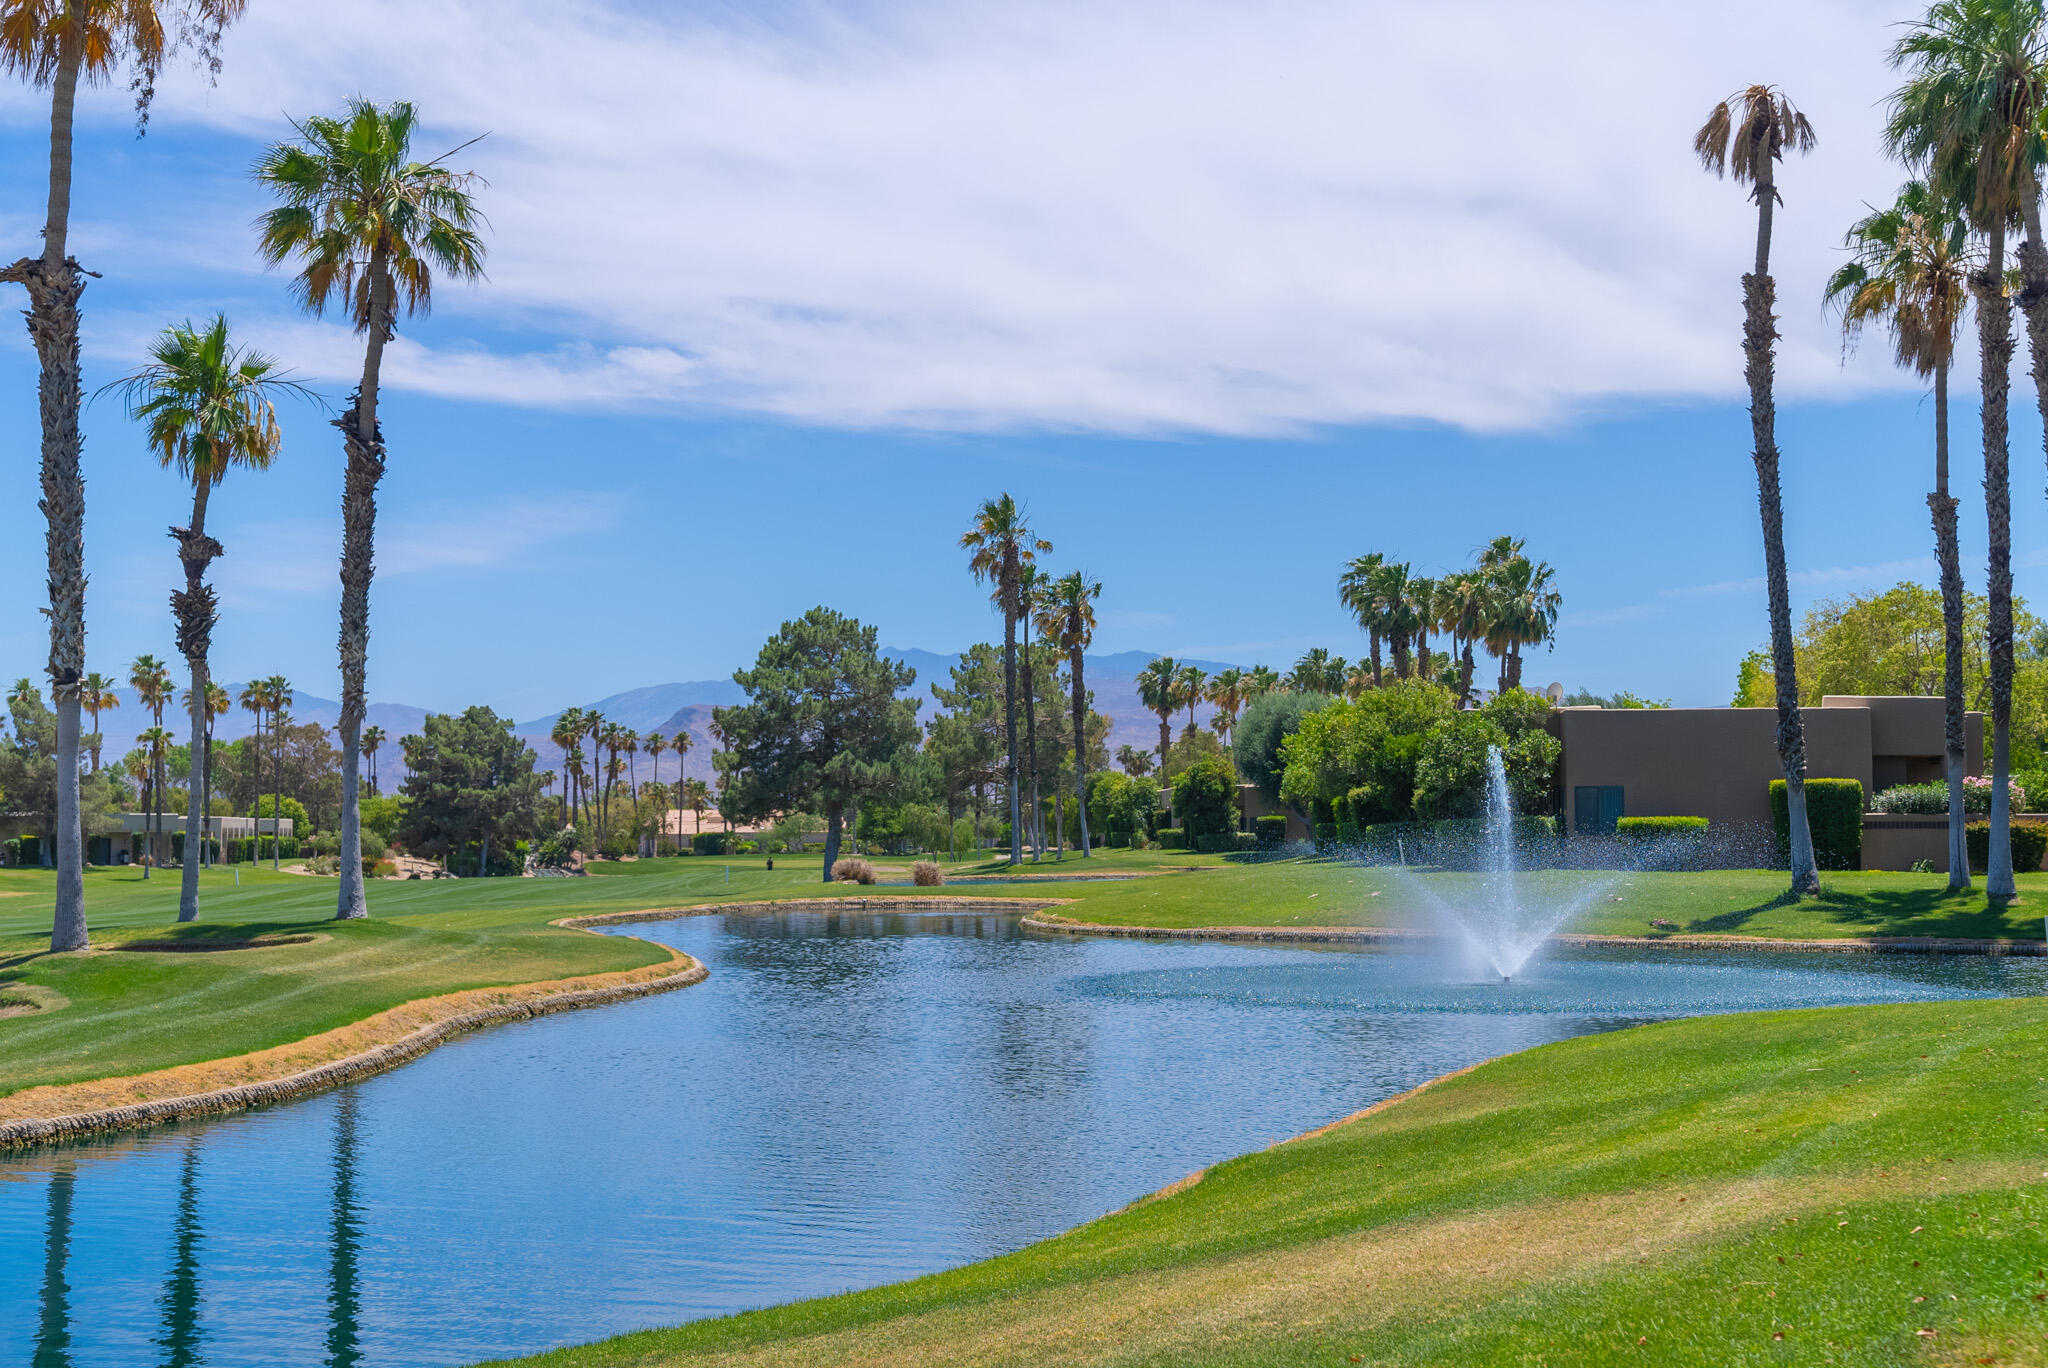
1852 1186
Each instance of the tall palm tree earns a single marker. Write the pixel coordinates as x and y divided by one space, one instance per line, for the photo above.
1031 582
566 732
696 796
1191 686
629 742
1002 543
206 406
1263 679
680 743
1067 617
1522 603
1748 134
1391 606
1464 602
277 694
152 685
368 224
254 699
1133 761
1909 270
1227 692
594 723
373 741
96 694
217 705
1969 114
155 741
1356 590
56 43
1158 689
1422 611
611 739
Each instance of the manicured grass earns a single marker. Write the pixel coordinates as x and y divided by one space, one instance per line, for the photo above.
1848 1186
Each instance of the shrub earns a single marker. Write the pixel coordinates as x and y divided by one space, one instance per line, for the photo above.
30 852
13 851
2029 845
2034 784
743 848
324 864
925 874
1205 797
1834 816
1272 832
558 851
853 870
381 869
1229 842
1932 799
1173 838
1120 840
1651 828
708 843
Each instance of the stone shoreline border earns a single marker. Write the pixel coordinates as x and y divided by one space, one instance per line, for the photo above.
1366 935
681 972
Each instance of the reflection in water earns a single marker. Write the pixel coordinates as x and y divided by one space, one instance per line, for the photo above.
180 1300
346 1235
53 1338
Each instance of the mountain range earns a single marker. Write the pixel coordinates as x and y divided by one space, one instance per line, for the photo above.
684 706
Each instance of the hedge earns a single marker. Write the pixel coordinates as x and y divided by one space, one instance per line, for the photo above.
1652 828
2029 845
708 843
31 852
1326 834
1834 817
1173 838
1272 832
247 851
1219 843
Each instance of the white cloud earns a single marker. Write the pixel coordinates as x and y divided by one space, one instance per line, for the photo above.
1167 215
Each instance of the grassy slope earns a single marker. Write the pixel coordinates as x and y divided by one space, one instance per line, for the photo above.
1783 1188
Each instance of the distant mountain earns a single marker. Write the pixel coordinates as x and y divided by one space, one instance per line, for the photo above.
649 707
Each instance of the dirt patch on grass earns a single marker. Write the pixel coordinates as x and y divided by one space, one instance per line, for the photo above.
23 999
1342 1287
289 1069
200 945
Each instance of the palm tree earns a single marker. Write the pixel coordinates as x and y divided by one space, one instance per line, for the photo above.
1389 604
1133 761
1158 689
1320 672
629 742
1422 610
55 43
217 705
1909 268
205 406
1464 604
1356 589
373 741
1969 114
1227 692
1748 134
611 739
255 700
696 796
1522 603
1191 684
367 222
1067 617
1003 543
1031 582
566 732
1263 679
277 694
96 694
152 685
156 741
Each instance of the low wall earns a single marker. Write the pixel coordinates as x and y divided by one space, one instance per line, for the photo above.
1894 841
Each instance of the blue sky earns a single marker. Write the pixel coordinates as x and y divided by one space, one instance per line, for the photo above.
778 295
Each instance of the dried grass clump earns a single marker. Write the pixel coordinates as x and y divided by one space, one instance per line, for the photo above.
925 874
853 871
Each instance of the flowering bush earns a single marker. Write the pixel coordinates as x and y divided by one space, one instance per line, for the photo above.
1932 799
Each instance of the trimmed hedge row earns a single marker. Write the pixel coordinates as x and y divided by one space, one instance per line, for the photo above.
1272 832
1226 842
1652 828
2029 845
1173 838
1834 817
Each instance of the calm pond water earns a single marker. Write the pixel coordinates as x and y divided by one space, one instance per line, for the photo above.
849 1100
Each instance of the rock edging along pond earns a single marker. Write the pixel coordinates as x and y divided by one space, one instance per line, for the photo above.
517 1003
497 1005
1366 935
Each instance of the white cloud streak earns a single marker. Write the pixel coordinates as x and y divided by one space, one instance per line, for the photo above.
1160 216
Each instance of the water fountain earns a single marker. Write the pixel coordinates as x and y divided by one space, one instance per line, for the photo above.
1510 919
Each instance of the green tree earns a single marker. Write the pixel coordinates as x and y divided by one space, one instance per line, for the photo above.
1909 270
822 712
471 782
368 224
1268 721
206 406
55 44
1002 544
1364 752
1969 114
1205 797
1748 134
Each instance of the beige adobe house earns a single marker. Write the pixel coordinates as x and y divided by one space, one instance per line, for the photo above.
1718 763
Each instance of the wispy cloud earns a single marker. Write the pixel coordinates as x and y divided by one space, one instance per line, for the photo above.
1168 215
1816 580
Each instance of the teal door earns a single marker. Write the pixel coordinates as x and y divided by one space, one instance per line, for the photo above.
1597 807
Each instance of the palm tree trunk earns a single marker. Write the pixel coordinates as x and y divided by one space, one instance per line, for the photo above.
1031 742
1081 756
195 612
1946 555
1465 666
1758 335
1994 331
1010 728
1165 739
1374 637
364 442
54 284
832 816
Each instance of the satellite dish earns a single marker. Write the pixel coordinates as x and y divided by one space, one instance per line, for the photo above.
1555 693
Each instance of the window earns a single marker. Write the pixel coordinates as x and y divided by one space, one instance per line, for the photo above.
1597 807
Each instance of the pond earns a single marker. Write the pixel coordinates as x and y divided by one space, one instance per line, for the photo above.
850 1099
